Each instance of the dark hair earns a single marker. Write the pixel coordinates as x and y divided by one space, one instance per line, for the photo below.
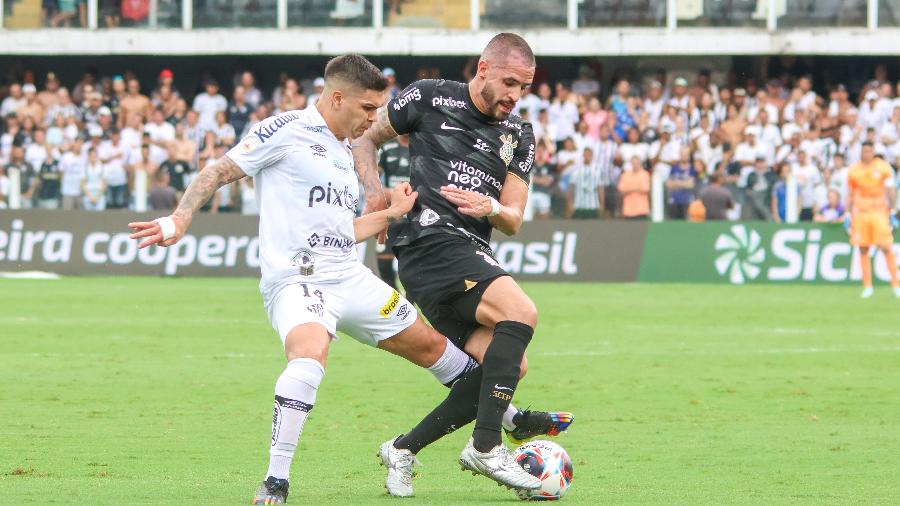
355 70
715 177
507 43
868 143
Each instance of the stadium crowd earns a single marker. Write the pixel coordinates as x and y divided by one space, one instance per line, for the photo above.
724 152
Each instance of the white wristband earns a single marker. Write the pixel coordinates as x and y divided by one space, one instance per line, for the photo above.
167 226
495 207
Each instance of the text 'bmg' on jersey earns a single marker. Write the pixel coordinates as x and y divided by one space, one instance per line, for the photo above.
452 143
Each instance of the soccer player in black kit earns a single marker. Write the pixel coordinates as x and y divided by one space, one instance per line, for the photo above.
470 164
393 163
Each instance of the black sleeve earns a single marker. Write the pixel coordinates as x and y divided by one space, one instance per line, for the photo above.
524 154
407 108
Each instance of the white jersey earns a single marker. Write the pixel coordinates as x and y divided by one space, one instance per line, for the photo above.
307 192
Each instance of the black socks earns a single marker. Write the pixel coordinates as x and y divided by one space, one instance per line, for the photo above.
457 410
501 366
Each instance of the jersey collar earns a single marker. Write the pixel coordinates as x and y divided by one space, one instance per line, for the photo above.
475 110
316 119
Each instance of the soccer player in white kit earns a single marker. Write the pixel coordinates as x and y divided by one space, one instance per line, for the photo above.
313 284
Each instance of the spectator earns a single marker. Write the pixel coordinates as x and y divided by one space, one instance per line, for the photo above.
31 108
166 100
392 88
544 130
11 104
586 188
185 148
63 107
634 187
224 131
48 97
134 102
179 171
27 179
808 177
586 85
716 199
318 88
779 194
115 98
72 165
833 211
239 110
93 184
760 186
253 96
111 154
162 197
542 179
209 103
161 134
563 113
291 98
634 147
595 118
49 180
680 185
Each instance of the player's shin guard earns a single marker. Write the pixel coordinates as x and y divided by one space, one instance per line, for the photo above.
295 395
457 410
452 365
386 271
500 378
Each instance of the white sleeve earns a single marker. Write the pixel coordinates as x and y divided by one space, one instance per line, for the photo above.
261 147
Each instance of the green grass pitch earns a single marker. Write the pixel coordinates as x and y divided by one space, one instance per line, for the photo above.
159 391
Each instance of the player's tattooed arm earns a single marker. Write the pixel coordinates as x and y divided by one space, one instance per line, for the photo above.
365 154
204 186
201 189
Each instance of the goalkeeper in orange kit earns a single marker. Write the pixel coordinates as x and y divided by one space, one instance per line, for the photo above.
870 199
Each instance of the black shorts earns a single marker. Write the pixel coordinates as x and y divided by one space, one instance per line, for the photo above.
446 275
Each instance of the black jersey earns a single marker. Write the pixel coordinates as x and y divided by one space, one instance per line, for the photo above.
453 144
394 161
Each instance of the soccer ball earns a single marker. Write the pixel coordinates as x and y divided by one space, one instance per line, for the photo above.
551 464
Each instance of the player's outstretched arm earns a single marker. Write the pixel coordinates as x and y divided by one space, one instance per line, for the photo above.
508 213
201 189
365 154
402 199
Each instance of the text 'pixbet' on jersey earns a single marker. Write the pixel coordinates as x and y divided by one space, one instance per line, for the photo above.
333 196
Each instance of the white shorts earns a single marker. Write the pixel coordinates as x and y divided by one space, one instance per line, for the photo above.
358 304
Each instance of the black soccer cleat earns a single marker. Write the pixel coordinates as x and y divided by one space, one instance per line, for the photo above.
531 424
272 491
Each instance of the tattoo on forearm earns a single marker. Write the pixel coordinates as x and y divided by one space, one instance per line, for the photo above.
204 186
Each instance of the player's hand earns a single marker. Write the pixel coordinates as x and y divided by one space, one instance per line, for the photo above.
151 233
402 199
468 202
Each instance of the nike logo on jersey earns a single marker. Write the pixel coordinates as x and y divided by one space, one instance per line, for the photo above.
445 126
498 387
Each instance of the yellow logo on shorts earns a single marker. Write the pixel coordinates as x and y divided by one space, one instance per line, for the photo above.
391 305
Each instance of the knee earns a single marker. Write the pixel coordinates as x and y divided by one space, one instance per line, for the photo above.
318 356
523 311
523 367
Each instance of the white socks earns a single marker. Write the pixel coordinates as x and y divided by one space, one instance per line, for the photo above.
295 395
452 364
508 417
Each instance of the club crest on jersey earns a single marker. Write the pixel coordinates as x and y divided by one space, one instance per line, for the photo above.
507 150
428 217
305 262
249 144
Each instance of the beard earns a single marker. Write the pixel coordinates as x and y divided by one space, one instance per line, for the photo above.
490 98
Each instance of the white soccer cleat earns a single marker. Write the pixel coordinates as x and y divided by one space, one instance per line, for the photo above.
498 465
399 464
867 292
897 292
